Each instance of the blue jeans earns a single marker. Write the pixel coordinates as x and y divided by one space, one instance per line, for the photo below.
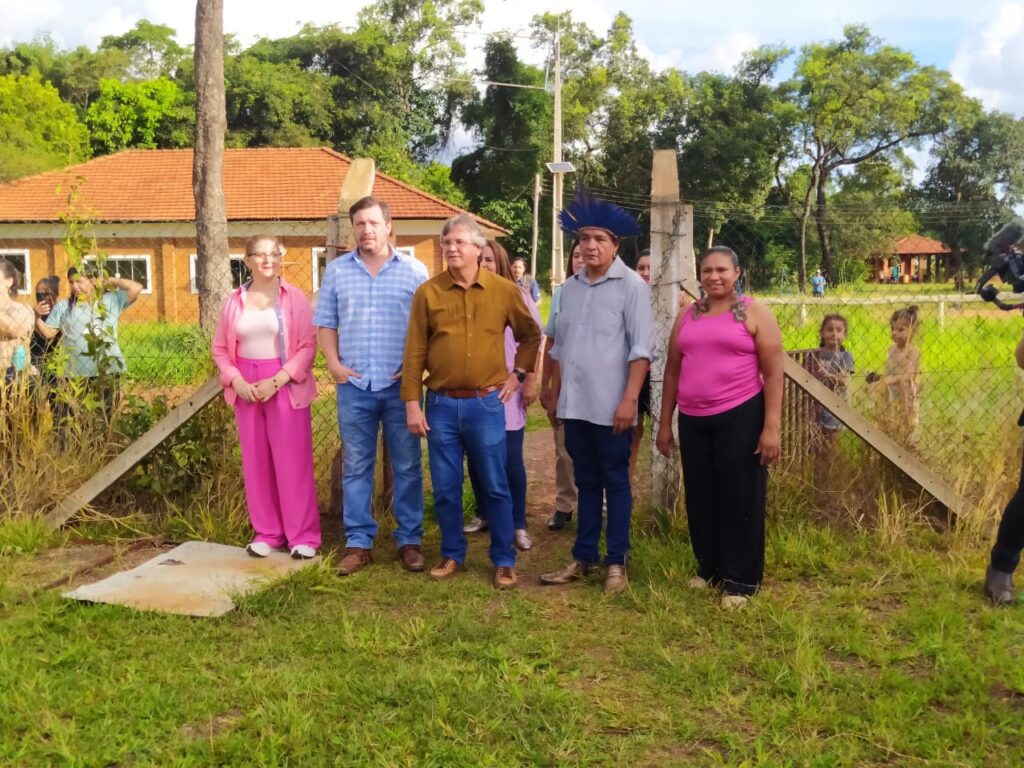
515 469
473 426
600 462
360 415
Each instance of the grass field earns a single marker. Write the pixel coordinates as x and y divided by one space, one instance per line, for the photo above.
861 651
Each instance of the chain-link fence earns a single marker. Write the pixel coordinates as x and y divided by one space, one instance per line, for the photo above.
894 326
161 351
930 364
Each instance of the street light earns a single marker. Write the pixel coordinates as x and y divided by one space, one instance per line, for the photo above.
558 169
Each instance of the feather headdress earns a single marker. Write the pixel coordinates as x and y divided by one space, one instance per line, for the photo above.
585 210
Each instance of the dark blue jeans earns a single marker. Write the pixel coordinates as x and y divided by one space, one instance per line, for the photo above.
475 427
515 469
361 414
600 462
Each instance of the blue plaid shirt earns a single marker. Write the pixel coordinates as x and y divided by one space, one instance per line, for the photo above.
371 314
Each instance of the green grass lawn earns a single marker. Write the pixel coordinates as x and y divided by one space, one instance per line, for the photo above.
856 653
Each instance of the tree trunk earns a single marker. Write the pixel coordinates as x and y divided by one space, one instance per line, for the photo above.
819 218
804 217
213 268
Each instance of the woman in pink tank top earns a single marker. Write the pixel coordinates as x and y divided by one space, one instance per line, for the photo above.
724 375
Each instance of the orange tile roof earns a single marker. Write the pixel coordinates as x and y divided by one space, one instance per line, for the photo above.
918 245
271 184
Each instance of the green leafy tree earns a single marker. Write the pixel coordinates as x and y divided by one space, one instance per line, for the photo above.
868 215
149 115
975 178
513 129
860 100
150 48
38 131
277 103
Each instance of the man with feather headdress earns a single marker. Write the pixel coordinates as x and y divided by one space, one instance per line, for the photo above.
603 345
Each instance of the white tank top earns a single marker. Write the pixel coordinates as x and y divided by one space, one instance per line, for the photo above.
257 331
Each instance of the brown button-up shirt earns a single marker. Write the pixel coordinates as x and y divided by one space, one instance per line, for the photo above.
457 335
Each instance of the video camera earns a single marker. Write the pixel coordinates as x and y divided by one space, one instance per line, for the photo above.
1006 261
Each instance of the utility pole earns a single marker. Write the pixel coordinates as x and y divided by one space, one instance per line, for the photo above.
557 268
536 226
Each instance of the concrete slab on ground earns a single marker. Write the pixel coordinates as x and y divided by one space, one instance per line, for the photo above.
196 578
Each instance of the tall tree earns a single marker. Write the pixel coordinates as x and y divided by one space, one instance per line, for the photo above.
859 100
150 114
975 178
213 271
151 50
513 129
732 133
38 131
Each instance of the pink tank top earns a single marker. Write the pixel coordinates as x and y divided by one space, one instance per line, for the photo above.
720 368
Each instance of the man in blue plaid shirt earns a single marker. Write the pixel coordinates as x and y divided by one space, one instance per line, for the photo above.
362 315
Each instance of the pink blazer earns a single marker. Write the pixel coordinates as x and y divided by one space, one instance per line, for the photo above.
300 344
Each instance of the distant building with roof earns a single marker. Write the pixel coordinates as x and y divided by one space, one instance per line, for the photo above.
143 211
920 260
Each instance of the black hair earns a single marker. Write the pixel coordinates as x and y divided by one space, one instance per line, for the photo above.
832 316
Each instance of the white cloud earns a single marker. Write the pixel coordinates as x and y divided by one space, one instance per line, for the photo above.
989 63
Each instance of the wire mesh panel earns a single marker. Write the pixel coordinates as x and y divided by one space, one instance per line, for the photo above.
133 334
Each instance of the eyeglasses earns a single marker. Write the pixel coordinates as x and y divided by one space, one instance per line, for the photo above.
265 256
458 243
44 297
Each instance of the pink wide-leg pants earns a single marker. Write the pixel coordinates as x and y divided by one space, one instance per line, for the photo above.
277 464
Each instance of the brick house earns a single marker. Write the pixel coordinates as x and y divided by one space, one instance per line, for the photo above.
143 212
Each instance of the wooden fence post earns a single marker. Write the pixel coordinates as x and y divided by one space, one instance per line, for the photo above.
672 265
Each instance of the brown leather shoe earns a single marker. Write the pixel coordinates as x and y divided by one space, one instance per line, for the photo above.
411 558
571 572
505 577
447 567
355 559
615 579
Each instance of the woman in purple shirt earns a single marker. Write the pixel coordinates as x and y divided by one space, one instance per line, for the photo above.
724 371
495 259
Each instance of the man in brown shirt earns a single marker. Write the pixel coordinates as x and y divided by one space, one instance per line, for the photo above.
457 336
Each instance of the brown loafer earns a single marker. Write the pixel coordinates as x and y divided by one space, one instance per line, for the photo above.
355 559
615 579
571 572
505 577
998 586
447 567
411 558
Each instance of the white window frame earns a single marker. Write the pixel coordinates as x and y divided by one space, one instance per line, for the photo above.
193 260
316 253
148 290
23 252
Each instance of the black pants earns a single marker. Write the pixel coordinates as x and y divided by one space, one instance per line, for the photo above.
1010 540
726 490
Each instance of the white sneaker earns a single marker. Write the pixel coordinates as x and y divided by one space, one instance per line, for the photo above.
522 539
696 582
259 549
734 602
303 552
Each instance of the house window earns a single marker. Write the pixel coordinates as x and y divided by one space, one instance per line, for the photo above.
19 260
319 265
129 267
239 272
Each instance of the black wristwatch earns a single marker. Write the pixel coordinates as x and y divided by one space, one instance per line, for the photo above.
520 374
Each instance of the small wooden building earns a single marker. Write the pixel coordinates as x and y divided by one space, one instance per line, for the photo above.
141 206
920 260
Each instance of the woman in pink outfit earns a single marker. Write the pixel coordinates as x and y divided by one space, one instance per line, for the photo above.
723 375
264 346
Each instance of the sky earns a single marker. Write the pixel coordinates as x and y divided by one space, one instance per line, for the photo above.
980 42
